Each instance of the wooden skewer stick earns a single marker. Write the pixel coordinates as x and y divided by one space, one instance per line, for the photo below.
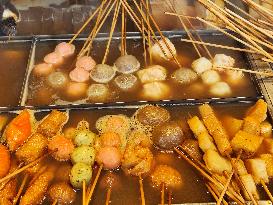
267 190
149 33
248 71
169 197
15 200
141 190
143 39
37 174
122 30
83 192
225 189
267 60
212 192
108 196
93 186
25 167
55 202
163 194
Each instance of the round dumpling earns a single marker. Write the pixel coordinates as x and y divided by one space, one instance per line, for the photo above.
84 154
184 75
166 45
126 81
102 73
220 89
156 91
80 172
98 92
127 64
57 80
210 77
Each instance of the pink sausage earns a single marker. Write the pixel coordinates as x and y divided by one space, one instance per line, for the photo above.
65 49
86 62
110 157
53 58
79 75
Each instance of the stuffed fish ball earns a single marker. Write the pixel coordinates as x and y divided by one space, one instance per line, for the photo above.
57 80
62 192
201 65
168 135
84 154
220 89
43 69
222 60
86 62
65 49
76 90
127 64
79 75
155 91
54 58
168 49
152 115
152 73
98 92
109 157
80 172
126 82
102 73
184 76
210 77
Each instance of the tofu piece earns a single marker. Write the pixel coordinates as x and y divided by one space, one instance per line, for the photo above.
257 167
251 125
196 126
232 125
246 142
205 142
268 145
216 129
216 163
152 74
268 158
266 129
239 166
250 186
258 111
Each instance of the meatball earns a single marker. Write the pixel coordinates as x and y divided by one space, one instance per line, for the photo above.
167 175
79 75
80 172
184 75
98 92
65 49
220 89
222 60
110 157
57 80
102 73
111 139
53 58
86 62
201 65
84 154
152 73
156 91
167 135
210 77
156 49
152 115
127 64
62 192
43 69
126 81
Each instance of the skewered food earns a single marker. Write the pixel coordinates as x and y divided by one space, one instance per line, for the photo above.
98 92
79 75
239 166
167 175
268 159
234 77
222 60
109 157
61 146
84 154
152 73
127 64
85 62
201 65
65 49
57 79
257 168
54 58
76 90
232 125
126 82
251 125
62 174
5 161
84 137
102 73
155 91
62 193
110 139
220 89
184 76
80 172
43 69
168 135
210 77
152 115
192 148
266 129
8 192
160 49
250 186
258 111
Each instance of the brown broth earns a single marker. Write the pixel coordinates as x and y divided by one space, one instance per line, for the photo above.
41 94
14 59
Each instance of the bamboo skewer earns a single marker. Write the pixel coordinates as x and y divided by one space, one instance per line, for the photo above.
267 190
108 196
212 192
40 171
93 186
55 202
143 38
122 30
169 197
15 200
163 194
83 192
142 195
225 189
248 71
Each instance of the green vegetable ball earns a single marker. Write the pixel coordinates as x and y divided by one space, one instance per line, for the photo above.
84 154
79 173
84 137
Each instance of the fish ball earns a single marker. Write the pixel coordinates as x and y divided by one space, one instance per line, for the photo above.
57 79
152 73
79 75
220 89
102 73
167 54
80 172
86 62
84 137
234 77
43 69
69 132
65 49
152 115
76 90
127 64
98 92
62 192
184 75
54 58
126 81
201 65
63 172
222 60
110 139
110 157
84 154
210 77
168 135
155 91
